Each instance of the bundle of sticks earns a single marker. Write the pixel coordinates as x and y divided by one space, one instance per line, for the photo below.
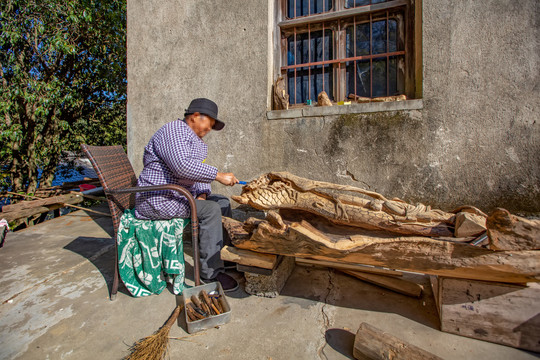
205 305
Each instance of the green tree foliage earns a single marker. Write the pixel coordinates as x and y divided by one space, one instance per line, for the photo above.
63 76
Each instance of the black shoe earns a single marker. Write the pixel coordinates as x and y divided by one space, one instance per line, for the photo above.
227 282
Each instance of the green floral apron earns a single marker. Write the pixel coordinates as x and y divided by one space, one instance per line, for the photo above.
146 248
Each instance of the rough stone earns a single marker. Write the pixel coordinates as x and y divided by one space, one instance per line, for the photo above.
270 285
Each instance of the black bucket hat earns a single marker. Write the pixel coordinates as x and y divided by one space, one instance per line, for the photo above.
206 107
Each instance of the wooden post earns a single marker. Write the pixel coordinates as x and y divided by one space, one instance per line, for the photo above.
372 343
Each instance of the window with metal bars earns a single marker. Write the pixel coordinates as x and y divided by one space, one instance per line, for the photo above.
347 48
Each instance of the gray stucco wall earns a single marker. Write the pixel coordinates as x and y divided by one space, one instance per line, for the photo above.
474 138
180 50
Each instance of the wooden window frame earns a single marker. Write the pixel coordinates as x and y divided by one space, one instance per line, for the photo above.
412 53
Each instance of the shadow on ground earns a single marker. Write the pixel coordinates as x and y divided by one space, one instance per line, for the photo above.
101 253
338 289
341 341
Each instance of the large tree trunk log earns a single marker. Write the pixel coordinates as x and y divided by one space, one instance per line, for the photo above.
510 232
282 190
413 253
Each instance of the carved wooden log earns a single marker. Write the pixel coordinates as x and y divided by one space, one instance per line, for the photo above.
510 232
360 230
411 253
282 190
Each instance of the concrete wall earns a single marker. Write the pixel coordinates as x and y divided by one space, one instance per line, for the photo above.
472 139
180 50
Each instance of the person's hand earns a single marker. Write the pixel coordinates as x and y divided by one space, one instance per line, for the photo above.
227 179
201 196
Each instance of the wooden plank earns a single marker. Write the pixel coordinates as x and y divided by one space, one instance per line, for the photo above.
352 267
29 204
409 253
500 313
14 215
401 286
248 258
510 232
373 343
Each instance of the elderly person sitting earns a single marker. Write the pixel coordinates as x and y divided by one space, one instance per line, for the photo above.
176 154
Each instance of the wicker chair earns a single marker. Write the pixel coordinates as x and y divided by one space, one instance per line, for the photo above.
120 185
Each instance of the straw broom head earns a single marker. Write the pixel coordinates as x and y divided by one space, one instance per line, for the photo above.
154 347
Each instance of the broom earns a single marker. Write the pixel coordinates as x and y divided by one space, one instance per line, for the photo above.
154 347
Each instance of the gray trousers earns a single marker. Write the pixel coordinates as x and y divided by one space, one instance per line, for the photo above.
211 239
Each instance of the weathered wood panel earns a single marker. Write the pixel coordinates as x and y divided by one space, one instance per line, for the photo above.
500 313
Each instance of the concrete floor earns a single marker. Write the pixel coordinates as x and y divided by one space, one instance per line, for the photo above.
55 280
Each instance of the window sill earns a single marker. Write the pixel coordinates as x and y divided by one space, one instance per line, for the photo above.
312 111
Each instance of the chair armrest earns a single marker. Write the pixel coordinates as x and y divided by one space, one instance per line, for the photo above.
136 189
173 187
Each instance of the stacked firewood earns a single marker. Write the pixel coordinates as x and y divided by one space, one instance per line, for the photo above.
205 305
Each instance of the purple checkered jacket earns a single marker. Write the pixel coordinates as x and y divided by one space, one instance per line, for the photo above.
174 155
